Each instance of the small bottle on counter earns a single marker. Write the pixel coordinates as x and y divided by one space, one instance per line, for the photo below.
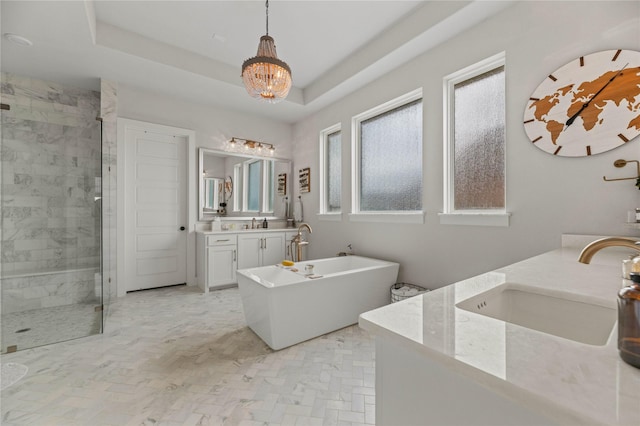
632 264
629 321
265 224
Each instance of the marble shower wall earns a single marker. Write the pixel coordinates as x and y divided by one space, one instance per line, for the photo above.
51 163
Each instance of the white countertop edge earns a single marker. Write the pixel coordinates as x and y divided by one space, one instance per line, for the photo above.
486 380
247 231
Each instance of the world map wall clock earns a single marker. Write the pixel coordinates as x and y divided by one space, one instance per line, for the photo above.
588 106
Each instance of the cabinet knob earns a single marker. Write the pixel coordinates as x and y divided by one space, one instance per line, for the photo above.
182 228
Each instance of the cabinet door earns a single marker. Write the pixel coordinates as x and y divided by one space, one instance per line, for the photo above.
272 248
249 250
222 265
288 236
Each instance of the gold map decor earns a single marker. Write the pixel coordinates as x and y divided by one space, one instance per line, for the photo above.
588 106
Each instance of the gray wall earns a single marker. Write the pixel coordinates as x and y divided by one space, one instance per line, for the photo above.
546 195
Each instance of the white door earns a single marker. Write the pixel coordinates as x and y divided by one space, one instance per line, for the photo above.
155 209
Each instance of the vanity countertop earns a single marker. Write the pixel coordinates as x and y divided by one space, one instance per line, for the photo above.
248 231
569 381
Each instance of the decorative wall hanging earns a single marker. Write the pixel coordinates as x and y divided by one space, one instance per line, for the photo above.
588 106
305 179
282 184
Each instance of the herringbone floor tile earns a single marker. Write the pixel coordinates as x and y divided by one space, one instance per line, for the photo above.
179 357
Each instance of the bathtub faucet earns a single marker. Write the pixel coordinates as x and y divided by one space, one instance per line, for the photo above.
304 225
297 242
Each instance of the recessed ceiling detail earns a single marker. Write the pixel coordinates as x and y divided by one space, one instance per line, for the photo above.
174 48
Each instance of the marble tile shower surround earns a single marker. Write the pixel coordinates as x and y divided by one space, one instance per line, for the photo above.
51 155
176 356
46 290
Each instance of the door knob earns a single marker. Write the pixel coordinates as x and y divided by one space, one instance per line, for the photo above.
182 228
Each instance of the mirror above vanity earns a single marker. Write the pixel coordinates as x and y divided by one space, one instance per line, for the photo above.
235 185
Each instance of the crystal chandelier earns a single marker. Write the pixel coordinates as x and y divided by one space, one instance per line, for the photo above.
265 76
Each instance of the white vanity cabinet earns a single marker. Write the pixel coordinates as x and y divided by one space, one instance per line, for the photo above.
220 254
217 260
260 249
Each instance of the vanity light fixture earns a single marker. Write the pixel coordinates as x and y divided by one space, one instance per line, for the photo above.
248 145
265 76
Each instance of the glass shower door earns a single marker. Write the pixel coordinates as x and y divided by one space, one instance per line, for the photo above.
50 195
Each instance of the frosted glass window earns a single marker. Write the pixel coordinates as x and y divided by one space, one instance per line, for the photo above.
253 186
391 160
334 171
270 185
237 183
479 142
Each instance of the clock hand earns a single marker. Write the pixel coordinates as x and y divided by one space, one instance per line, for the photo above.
574 116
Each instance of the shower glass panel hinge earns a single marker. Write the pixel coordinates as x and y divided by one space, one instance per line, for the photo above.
13 348
98 308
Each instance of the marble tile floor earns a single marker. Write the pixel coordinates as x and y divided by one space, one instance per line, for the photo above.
176 356
49 325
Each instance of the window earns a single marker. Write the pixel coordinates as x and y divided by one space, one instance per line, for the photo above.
258 185
331 172
387 161
237 183
269 186
252 186
475 145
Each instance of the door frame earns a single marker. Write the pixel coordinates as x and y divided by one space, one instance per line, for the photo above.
125 125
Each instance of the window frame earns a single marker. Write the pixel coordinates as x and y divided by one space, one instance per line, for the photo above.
401 216
324 213
451 216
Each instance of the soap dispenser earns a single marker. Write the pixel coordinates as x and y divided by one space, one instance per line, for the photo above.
629 321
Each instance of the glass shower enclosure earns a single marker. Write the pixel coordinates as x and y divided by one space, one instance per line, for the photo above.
51 200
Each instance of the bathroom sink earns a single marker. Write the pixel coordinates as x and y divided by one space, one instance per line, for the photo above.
548 311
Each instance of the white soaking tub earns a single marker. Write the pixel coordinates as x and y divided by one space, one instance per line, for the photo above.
284 307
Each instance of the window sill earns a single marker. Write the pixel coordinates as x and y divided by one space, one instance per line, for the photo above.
390 217
477 219
334 217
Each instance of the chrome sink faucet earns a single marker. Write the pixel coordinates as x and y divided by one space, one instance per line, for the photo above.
594 247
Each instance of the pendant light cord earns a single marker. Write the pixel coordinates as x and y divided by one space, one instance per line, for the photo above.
267 6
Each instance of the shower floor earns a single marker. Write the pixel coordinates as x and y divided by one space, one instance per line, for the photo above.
44 326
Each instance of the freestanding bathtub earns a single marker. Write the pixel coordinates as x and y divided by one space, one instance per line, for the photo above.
284 307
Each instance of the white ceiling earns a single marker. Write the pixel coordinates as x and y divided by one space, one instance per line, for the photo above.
332 47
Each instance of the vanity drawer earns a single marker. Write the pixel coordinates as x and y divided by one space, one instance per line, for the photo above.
221 240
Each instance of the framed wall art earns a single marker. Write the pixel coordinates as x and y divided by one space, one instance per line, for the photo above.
282 184
305 179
